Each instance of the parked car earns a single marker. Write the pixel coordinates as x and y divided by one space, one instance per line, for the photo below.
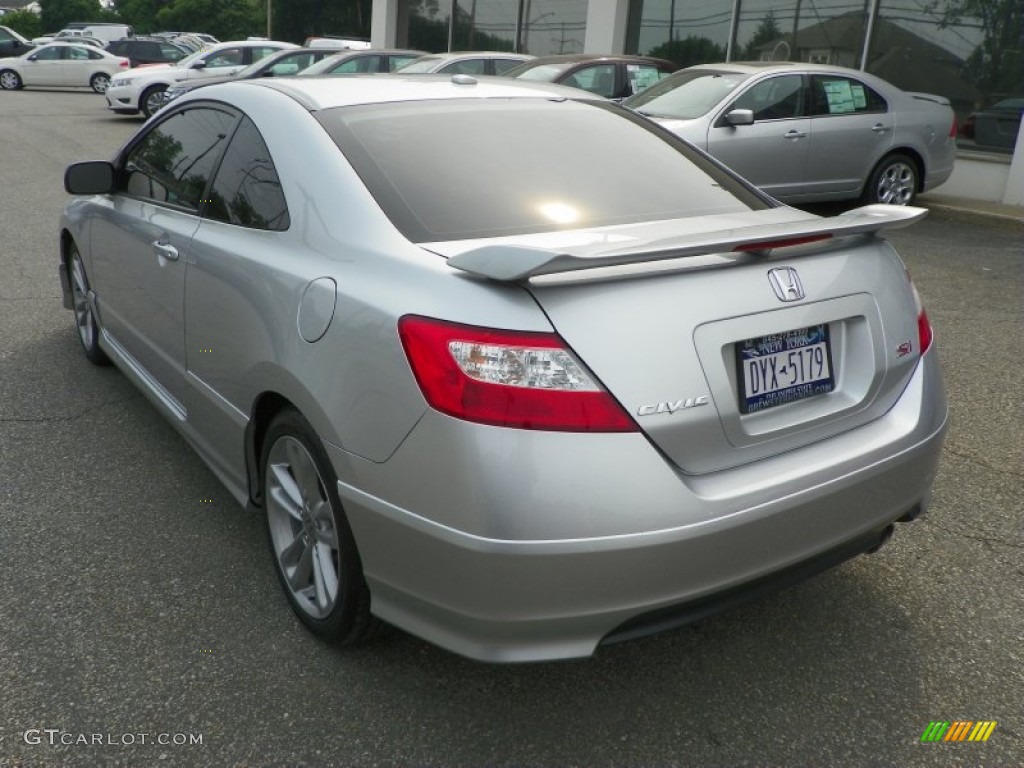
143 90
290 61
465 63
12 43
62 65
104 32
609 76
147 50
996 127
520 402
351 62
805 132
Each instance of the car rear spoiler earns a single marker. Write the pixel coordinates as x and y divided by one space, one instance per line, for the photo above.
510 263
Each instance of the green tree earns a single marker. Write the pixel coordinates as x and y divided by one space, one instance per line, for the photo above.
224 19
25 23
767 32
997 65
57 14
692 50
295 20
141 14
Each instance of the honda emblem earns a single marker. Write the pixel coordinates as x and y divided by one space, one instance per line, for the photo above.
786 284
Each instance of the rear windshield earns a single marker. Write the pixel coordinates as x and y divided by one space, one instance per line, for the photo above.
457 169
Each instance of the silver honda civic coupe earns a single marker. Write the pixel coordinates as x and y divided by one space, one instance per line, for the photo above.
517 371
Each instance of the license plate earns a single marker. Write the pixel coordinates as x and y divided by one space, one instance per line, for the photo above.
784 367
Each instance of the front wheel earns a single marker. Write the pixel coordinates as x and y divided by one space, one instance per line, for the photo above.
313 548
10 80
85 319
100 82
893 182
152 99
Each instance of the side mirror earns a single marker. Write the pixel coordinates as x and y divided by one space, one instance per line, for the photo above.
740 117
201 64
94 177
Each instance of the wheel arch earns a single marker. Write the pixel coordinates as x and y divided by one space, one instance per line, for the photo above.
908 152
265 407
146 89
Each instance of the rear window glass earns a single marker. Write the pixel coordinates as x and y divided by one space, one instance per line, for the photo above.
452 170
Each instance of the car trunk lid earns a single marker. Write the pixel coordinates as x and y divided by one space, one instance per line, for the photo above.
686 329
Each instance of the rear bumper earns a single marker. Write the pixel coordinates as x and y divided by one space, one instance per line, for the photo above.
512 596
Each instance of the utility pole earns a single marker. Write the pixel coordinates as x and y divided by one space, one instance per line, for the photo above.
270 5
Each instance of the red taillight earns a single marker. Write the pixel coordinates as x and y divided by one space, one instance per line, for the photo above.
507 378
924 326
123 63
966 130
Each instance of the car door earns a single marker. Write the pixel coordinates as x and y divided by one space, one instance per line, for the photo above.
77 69
771 153
143 237
852 128
231 291
44 67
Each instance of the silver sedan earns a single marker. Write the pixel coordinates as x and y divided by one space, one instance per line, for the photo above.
491 383
810 133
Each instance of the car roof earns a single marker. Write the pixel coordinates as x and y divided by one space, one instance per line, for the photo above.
572 57
317 93
478 55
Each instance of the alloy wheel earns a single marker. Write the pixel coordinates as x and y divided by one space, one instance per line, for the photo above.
896 184
84 318
303 533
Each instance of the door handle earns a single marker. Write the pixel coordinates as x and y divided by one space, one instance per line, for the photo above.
165 250
794 134
879 128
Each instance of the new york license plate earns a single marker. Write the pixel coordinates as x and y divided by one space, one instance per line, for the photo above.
784 367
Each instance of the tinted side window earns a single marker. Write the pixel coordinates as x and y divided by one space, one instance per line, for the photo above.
641 76
229 57
395 62
598 79
357 64
834 95
247 191
173 161
48 54
502 66
465 67
171 52
773 99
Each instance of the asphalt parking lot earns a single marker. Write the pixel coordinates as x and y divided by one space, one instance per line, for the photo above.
141 622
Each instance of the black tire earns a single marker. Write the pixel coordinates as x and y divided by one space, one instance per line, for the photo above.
100 82
309 535
893 181
10 80
85 320
152 99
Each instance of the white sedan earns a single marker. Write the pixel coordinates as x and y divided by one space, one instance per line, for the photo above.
62 64
143 88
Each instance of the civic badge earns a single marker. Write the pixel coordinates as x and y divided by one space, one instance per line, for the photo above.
786 284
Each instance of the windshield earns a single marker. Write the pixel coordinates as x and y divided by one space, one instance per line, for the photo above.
686 95
515 166
544 73
187 61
